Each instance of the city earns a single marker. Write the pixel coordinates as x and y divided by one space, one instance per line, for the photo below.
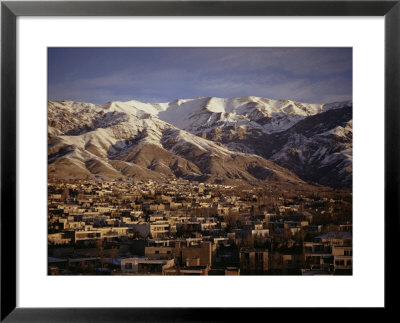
181 227
220 169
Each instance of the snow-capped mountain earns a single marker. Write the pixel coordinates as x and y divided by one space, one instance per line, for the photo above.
202 115
121 140
208 139
319 148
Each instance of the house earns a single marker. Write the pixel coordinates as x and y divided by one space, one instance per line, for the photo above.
58 238
343 260
318 256
203 251
155 229
330 252
90 235
232 271
145 265
161 252
253 261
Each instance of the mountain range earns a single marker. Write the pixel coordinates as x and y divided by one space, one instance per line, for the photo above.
245 140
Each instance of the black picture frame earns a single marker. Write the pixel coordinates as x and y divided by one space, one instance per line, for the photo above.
10 10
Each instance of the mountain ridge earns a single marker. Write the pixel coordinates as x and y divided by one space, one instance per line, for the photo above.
135 139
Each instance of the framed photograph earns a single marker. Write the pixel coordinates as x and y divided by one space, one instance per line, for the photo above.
146 144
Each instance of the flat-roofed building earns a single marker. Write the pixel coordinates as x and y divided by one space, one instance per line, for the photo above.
253 261
342 259
91 235
145 265
58 238
203 251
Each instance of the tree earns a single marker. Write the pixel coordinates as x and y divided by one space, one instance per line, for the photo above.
65 193
100 247
287 234
231 220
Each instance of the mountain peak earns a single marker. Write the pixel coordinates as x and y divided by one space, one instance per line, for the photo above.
205 137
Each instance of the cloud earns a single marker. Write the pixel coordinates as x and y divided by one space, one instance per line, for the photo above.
307 74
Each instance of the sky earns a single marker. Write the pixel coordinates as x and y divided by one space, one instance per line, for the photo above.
164 74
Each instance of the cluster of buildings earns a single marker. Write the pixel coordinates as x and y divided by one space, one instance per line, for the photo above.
188 228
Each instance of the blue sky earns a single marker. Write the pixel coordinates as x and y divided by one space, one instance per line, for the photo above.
99 75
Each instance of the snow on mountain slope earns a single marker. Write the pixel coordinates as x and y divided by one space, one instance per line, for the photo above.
202 114
190 133
318 149
119 140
